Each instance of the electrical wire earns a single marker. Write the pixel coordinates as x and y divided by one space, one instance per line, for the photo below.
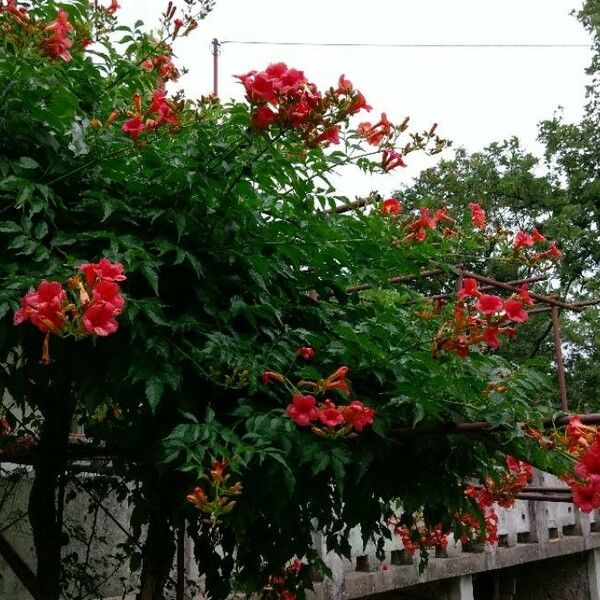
380 45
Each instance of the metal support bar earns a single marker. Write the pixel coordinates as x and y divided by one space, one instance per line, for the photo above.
545 497
476 427
358 203
472 427
547 490
485 288
19 567
397 279
506 286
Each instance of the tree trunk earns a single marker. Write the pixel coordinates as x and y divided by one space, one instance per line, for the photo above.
45 515
157 556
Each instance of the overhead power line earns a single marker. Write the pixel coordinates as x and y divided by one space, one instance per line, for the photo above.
216 46
379 45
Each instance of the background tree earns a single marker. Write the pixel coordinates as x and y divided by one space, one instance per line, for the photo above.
559 195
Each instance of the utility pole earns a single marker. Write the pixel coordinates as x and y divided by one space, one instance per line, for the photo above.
215 52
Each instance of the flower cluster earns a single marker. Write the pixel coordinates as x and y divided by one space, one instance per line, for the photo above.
581 443
283 585
325 418
185 23
418 535
160 112
55 38
90 306
304 410
524 241
383 134
19 13
377 133
480 318
478 216
502 491
111 9
417 228
57 45
466 527
471 530
55 34
219 489
284 96
163 66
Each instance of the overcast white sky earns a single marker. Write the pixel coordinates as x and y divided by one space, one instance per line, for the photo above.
476 95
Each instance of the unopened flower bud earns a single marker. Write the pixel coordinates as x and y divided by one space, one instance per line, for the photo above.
193 24
114 115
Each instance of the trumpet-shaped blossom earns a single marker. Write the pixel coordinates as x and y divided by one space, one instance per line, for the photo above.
514 311
391 159
477 215
336 381
522 240
303 409
44 307
488 304
305 352
263 117
586 497
588 466
198 498
98 318
104 269
58 44
469 289
330 135
133 127
109 293
391 206
536 236
524 296
357 414
269 376
329 415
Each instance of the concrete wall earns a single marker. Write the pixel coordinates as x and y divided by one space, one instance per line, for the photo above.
563 578
114 576
557 545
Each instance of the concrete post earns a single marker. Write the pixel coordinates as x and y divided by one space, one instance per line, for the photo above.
582 524
538 516
593 564
332 586
461 588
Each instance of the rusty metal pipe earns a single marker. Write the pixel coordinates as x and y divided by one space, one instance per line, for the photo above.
506 286
544 498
